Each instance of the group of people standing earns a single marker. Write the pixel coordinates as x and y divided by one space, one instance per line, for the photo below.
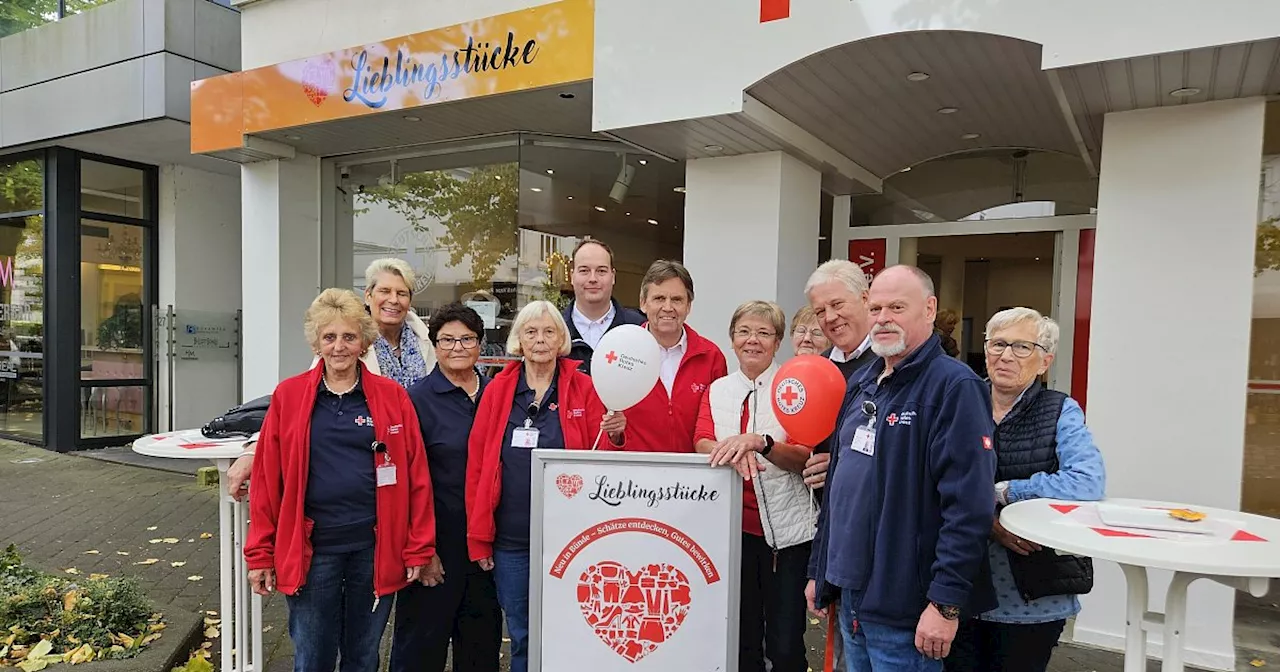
393 472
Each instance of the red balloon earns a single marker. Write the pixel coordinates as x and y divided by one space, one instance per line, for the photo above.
807 393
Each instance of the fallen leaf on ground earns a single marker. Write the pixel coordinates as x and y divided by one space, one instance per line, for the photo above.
179 563
71 570
206 535
212 621
154 541
152 528
99 577
92 552
148 561
211 632
1258 662
194 577
191 541
151 638
207 645
170 540
268 628
157 627
69 600
211 613
122 552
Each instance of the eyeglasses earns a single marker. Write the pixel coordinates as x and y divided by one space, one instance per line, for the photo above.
806 331
450 343
761 334
1021 349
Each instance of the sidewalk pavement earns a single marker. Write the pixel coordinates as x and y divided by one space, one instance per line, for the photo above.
59 506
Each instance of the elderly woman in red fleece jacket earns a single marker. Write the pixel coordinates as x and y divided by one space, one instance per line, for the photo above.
341 515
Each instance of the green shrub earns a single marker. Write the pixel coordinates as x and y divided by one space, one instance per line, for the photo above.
110 615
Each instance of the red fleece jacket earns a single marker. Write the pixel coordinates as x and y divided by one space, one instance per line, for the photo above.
279 532
580 414
663 423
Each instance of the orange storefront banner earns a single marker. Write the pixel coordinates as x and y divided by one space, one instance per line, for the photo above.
542 46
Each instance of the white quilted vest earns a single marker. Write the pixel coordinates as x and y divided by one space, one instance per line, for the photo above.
788 510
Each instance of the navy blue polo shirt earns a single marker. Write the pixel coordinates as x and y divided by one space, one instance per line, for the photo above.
512 516
446 414
341 484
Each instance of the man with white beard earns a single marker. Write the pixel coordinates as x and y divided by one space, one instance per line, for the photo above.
902 536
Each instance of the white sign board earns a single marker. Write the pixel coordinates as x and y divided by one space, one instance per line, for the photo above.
634 562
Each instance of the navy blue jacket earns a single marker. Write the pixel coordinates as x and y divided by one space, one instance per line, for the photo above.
578 348
909 524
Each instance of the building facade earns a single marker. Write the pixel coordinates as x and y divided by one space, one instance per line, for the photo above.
107 220
1111 164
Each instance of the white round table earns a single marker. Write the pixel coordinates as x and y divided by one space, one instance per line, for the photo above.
241 608
1245 560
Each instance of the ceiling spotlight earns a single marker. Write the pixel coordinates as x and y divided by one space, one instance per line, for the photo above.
653 222
714 148
917 76
971 136
1184 92
566 95
600 208
678 190
948 110
293 137
628 214
571 198
410 117
644 162
622 183
551 172
535 188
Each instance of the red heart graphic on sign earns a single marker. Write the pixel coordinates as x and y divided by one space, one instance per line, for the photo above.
317 81
569 485
633 612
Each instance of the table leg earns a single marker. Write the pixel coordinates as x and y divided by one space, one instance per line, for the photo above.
226 563
1175 620
1135 634
239 531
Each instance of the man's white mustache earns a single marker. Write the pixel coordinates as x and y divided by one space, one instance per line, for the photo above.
892 328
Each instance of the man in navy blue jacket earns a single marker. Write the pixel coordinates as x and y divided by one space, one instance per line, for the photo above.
594 311
902 537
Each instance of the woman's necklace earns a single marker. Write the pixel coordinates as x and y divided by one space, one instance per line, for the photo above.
325 380
476 391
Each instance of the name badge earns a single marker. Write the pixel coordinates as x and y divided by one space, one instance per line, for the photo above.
864 441
525 437
386 475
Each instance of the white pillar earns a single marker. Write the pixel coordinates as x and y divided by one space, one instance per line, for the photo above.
908 251
281 256
750 232
1169 346
199 270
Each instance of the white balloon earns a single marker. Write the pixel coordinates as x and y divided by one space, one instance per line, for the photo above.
625 366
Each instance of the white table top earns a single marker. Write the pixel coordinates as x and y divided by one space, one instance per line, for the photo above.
1037 520
188 444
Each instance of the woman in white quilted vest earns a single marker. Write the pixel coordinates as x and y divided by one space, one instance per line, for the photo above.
737 426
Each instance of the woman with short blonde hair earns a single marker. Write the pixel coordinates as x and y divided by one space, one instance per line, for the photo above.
806 336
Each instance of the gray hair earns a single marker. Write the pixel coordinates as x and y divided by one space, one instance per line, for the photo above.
1047 328
390 265
842 270
531 312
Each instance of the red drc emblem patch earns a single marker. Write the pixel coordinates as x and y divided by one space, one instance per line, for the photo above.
986 443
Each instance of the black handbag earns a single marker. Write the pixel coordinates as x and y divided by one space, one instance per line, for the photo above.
242 421
1045 572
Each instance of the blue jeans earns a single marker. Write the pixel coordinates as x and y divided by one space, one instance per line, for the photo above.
871 647
511 573
334 613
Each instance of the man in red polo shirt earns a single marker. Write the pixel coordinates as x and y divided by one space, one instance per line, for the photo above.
664 421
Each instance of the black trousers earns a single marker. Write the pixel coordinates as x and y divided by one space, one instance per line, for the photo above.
983 646
463 609
772 621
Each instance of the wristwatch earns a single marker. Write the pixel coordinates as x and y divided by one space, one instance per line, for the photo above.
948 612
1002 493
768 445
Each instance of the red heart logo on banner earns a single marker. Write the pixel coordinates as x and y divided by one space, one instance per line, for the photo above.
569 485
317 81
633 612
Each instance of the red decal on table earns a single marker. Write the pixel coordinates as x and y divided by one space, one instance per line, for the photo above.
569 484
643 525
204 444
1242 535
1064 508
1108 532
772 10
634 612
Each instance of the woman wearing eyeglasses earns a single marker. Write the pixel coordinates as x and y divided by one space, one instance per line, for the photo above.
1043 449
463 609
737 425
806 337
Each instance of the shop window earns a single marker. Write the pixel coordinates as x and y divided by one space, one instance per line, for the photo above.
21 186
22 298
493 223
111 291
1261 482
112 189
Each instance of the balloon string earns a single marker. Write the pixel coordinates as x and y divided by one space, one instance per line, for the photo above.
595 444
